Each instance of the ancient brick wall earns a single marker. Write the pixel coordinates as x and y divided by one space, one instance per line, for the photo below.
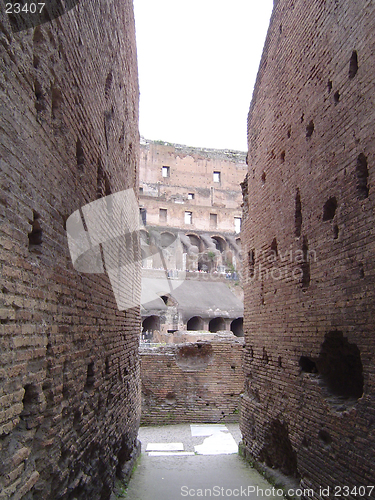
192 382
190 185
308 408
69 370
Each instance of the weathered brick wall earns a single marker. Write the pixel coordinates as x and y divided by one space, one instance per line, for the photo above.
191 171
309 245
192 382
69 370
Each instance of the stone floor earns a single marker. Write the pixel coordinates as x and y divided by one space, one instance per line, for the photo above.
183 461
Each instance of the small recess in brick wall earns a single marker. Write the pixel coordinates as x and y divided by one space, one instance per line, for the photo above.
310 129
80 157
329 209
353 65
338 368
298 215
36 234
362 177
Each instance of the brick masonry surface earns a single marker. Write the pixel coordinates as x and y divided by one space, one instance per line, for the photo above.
192 382
69 369
191 185
308 241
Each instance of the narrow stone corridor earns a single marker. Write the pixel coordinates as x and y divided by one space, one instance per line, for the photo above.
201 463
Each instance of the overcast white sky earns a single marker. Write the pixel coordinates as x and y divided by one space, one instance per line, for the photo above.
197 63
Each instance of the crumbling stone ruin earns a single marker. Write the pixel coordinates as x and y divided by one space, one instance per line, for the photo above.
69 369
308 240
195 190
190 354
190 205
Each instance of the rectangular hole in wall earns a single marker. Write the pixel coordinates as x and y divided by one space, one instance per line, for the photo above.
217 177
237 224
188 217
162 215
165 171
213 221
143 214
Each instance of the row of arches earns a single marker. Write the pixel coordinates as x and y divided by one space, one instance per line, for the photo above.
167 238
195 323
190 251
215 325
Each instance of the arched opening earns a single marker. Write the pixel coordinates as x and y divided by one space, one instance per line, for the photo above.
195 324
195 241
216 324
149 326
196 261
224 258
220 243
167 239
237 327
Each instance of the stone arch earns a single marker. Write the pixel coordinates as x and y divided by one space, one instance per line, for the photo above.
195 240
195 323
150 325
216 324
220 243
167 239
224 256
237 327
